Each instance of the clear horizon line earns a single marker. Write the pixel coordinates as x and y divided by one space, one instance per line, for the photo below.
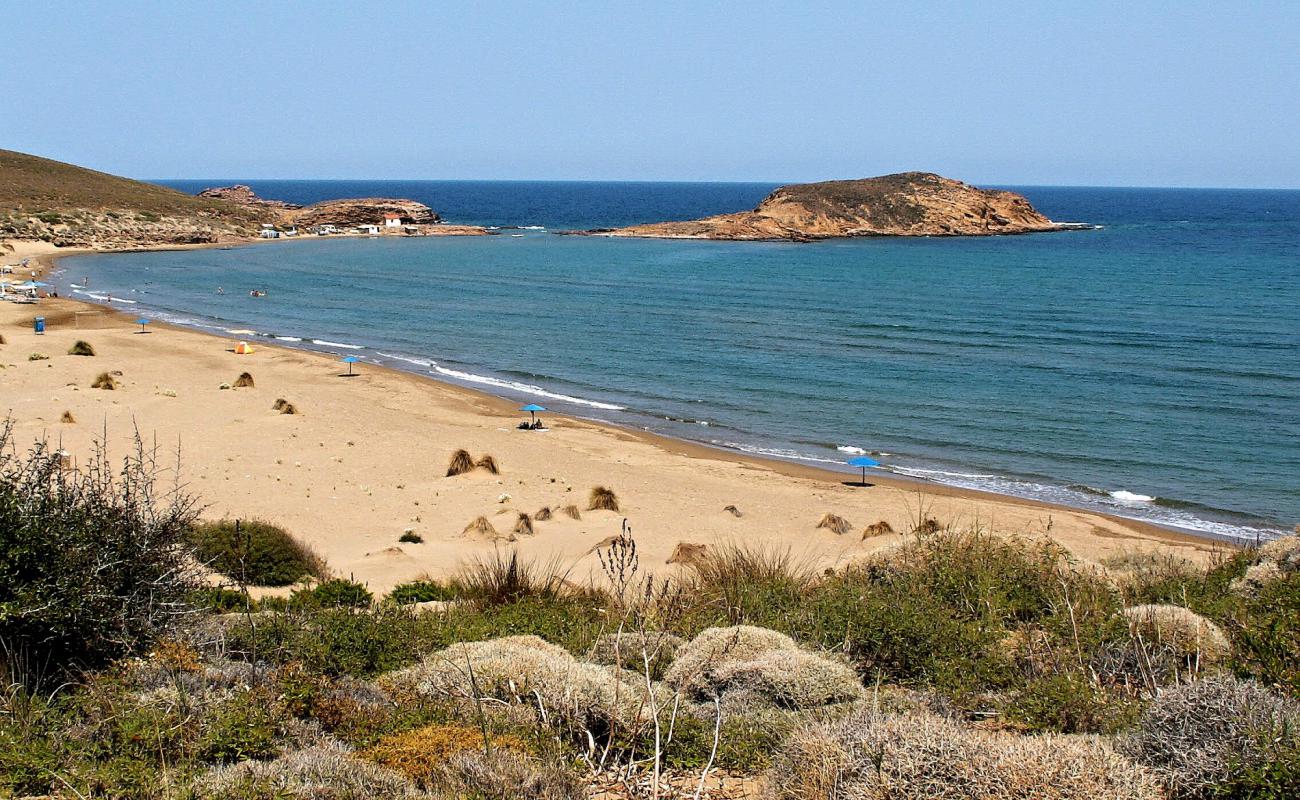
245 179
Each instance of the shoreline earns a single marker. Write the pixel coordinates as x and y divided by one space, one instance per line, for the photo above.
679 446
666 441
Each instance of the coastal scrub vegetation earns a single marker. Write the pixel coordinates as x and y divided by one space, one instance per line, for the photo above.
254 552
958 662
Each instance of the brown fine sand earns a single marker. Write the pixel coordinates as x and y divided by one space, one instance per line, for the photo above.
364 460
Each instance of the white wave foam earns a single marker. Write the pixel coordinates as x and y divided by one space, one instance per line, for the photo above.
775 452
289 338
525 388
419 362
1129 497
344 345
939 474
851 450
532 227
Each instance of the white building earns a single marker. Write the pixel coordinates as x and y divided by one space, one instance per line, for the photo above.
269 231
392 220
372 230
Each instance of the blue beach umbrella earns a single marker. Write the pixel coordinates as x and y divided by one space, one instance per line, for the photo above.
532 409
350 360
864 462
142 322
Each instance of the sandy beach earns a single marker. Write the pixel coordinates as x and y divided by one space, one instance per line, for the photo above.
364 459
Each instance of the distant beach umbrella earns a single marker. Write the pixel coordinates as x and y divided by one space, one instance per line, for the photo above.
142 322
863 462
532 409
350 360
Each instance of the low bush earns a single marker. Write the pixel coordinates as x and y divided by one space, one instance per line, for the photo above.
870 756
602 499
422 591
81 348
1220 732
410 537
333 593
418 754
255 552
504 775
325 772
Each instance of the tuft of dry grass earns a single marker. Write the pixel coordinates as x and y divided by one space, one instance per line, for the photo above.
481 528
523 525
733 511
880 528
325 771
602 499
688 553
928 525
505 774
543 514
1178 631
835 523
419 753
284 406
488 463
244 381
81 348
2 339
68 418
104 381
461 463
503 578
571 511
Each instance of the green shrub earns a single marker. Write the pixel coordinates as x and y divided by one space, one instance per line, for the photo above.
420 592
1267 633
1068 702
220 599
92 565
255 552
239 729
333 593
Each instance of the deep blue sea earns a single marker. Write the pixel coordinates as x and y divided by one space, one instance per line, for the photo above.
1149 368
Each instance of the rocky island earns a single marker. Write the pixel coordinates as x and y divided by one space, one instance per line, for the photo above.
903 204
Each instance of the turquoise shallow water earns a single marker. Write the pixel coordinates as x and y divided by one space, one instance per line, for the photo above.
1149 368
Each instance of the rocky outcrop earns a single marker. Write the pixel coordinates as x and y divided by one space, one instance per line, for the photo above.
116 230
905 204
364 211
244 196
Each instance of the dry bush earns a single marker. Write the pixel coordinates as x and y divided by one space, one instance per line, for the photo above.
461 463
1274 561
1182 633
481 528
688 553
928 525
761 662
488 463
284 406
68 418
104 381
921 756
880 528
419 753
1196 736
835 523
572 512
543 514
733 511
81 348
325 772
529 671
602 499
504 775
244 381
1285 550
2 339
501 579
523 525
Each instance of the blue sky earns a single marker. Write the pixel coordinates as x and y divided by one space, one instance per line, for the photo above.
1176 94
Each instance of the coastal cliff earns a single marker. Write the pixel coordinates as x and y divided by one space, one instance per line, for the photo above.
903 204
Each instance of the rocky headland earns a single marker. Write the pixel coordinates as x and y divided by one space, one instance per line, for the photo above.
903 204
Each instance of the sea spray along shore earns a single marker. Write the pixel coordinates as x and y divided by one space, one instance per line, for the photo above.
1093 369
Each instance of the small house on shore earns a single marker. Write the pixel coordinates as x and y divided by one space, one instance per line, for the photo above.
392 220
370 230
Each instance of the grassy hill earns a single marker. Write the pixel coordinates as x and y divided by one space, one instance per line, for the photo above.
73 206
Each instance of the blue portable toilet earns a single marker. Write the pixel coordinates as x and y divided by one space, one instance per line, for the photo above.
39 324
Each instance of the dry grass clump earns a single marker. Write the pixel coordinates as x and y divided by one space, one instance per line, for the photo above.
921 756
528 671
631 649
1274 561
481 528
67 418
543 514
835 523
325 772
1199 735
244 381
81 348
688 553
572 512
880 528
523 525
733 511
500 579
504 775
419 753
763 663
104 381
1178 631
602 499
2 339
928 525
284 406
488 463
461 462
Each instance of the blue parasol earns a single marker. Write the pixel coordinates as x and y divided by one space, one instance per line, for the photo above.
532 409
142 322
350 360
863 462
